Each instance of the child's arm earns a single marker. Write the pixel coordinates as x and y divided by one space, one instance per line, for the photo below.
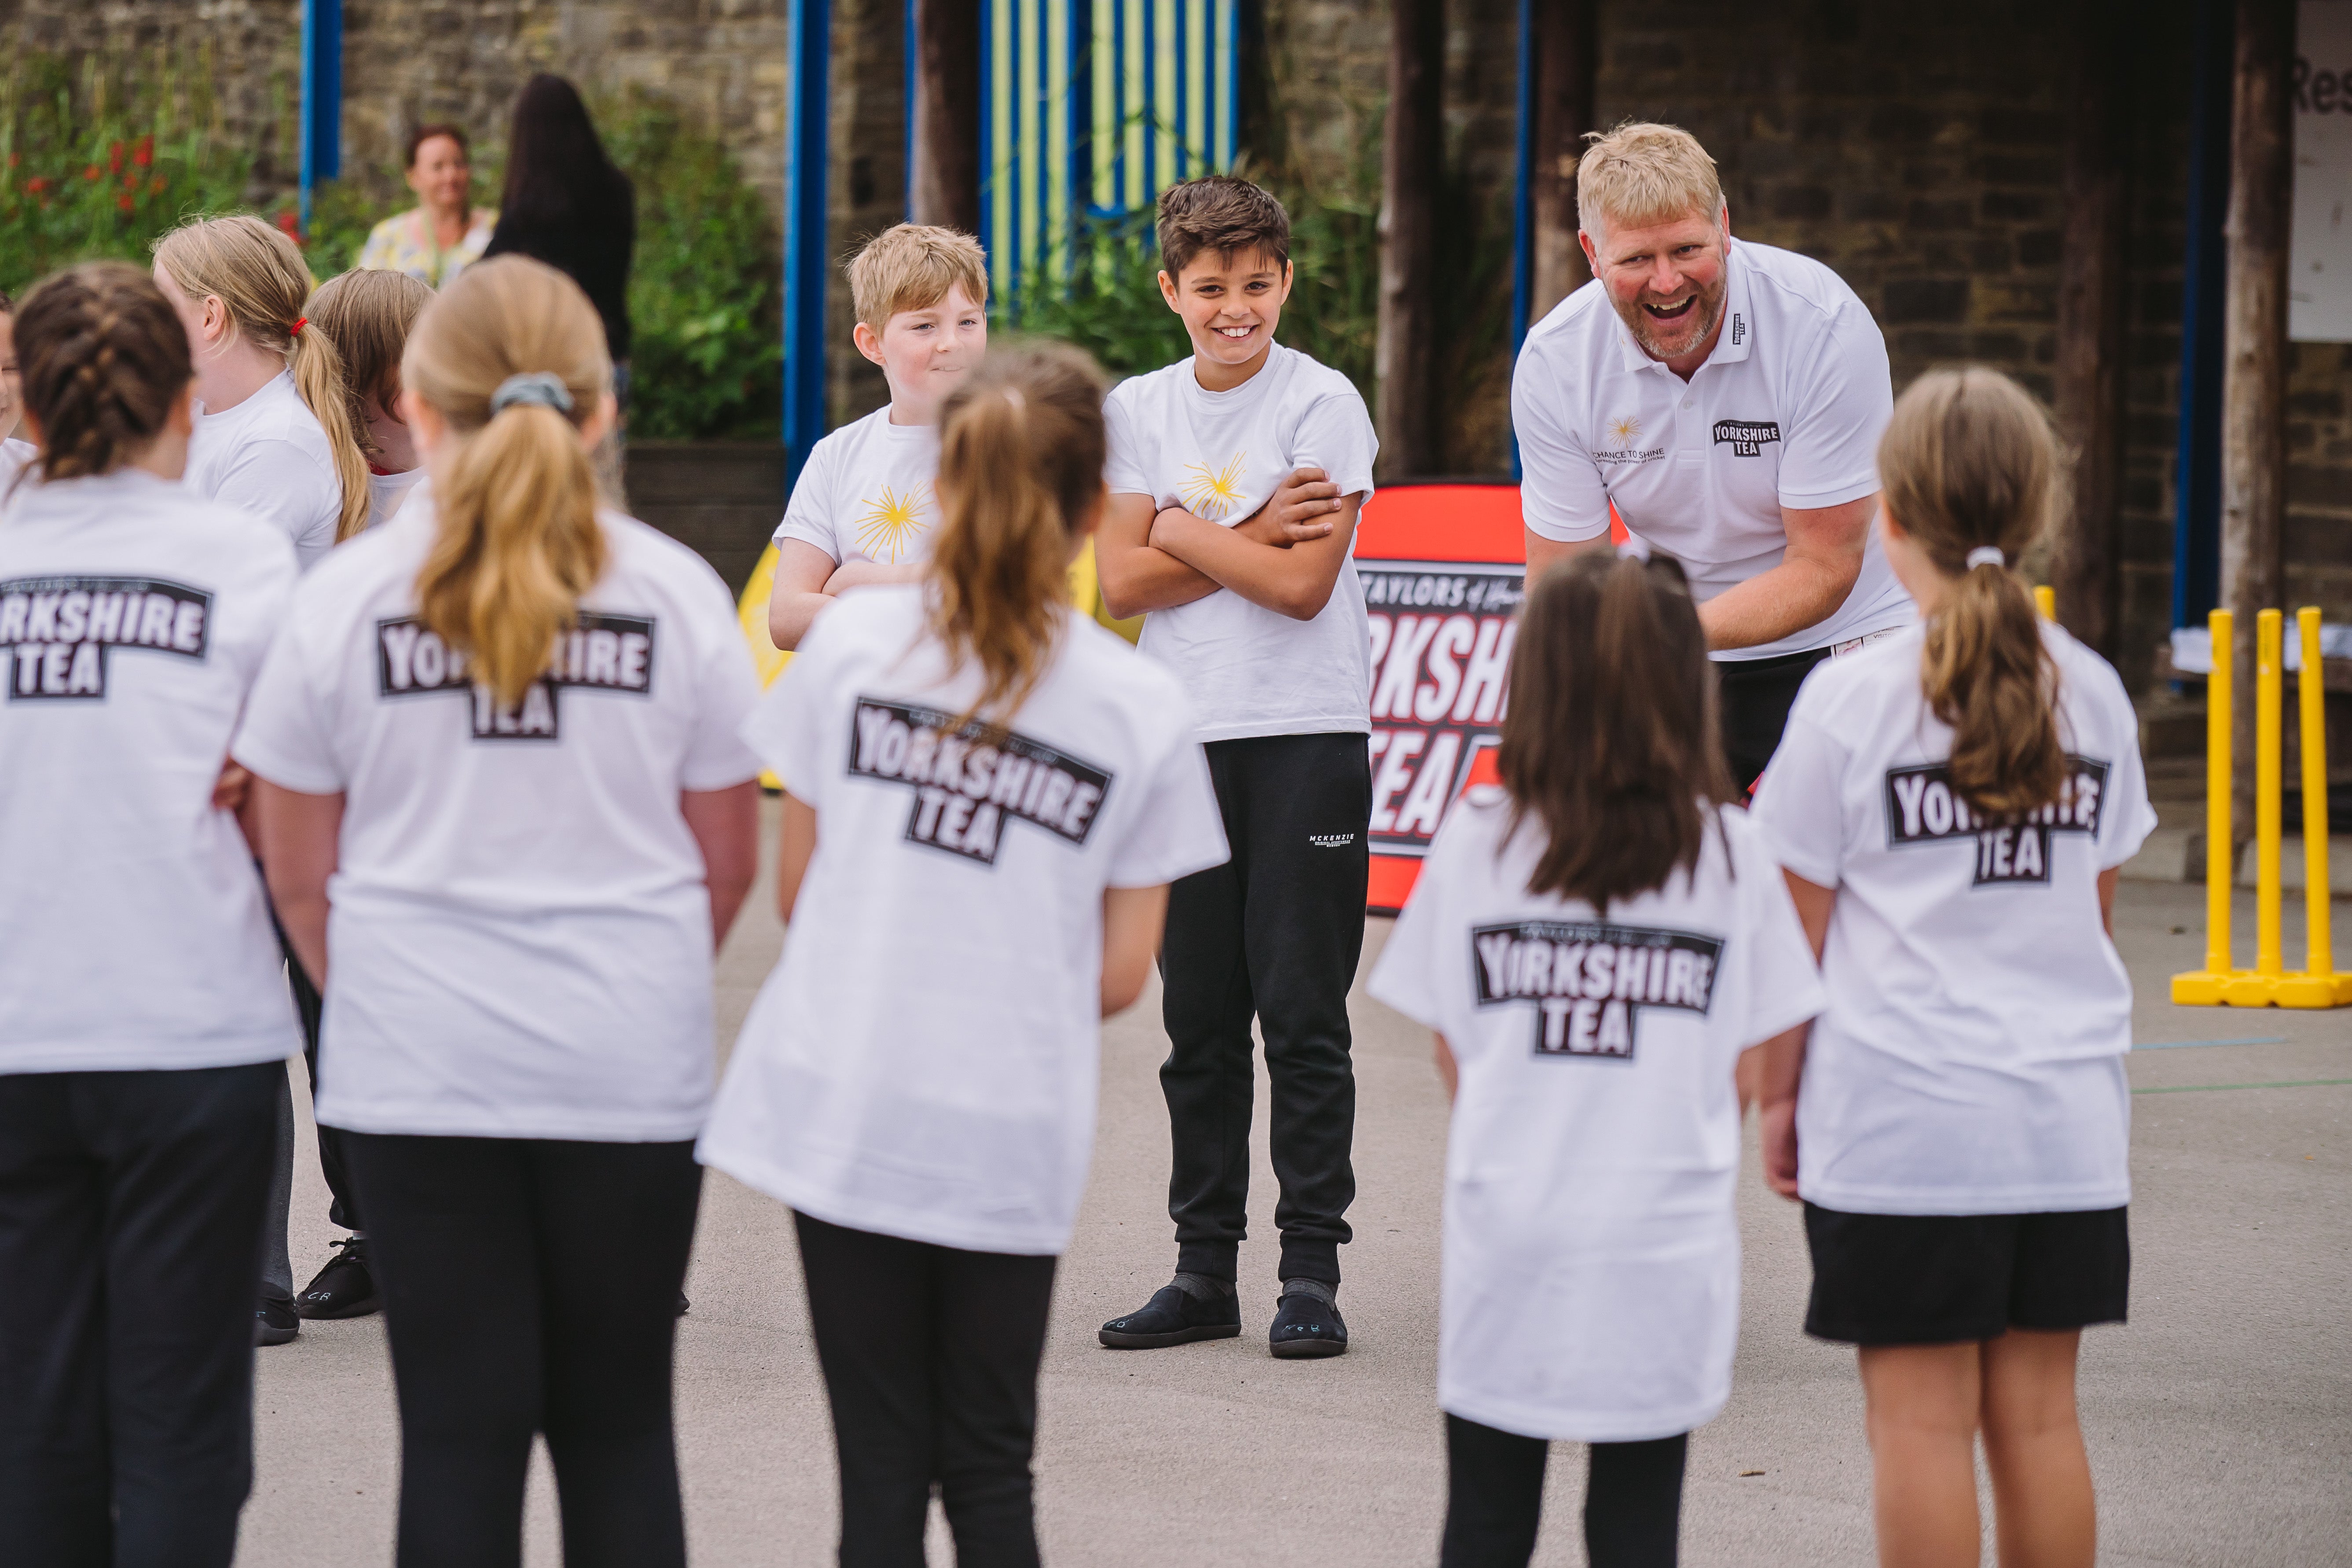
1780 1062
1132 919
865 574
301 842
725 824
804 577
793 860
1295 580
1135 577
1448 1073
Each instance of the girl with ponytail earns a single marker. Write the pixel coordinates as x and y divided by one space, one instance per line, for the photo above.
277 437
1952 806
504 723
1603 949
987 795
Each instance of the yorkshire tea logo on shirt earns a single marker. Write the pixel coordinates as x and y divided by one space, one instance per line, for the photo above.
1922 807
1212 493
1589 982
57 632
601 653
1748 437
969 780
890 522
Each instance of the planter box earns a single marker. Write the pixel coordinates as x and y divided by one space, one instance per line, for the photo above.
722 500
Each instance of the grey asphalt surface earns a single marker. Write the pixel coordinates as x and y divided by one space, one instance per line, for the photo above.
2219 1419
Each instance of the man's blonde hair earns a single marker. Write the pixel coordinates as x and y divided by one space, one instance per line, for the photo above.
1642 172
912 267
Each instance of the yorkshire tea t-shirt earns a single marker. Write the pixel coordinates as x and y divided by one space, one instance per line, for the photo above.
1970 1058
922 1063
1591 1246
520 944
133 619
14 456
865 493
269 455
1220 455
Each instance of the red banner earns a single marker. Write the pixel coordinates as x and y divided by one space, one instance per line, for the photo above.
1441 566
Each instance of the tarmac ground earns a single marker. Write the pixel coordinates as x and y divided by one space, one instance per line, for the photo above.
2219 1419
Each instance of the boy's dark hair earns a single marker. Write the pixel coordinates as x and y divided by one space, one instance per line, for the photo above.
1220 213
103 360
1610 740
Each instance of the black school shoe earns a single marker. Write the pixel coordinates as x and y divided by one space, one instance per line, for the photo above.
1174 1317
274 1322
1306 1326
345 1288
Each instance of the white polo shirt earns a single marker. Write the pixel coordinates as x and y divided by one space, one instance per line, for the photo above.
1786 411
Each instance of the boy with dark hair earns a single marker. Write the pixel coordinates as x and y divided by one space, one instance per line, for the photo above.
1236 476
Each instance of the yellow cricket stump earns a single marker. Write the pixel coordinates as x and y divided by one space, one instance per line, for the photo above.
2269 983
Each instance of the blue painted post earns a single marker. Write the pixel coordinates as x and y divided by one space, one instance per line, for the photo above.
323 97
2197 458
805 232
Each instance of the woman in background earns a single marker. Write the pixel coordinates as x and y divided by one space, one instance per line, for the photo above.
568 204
444 233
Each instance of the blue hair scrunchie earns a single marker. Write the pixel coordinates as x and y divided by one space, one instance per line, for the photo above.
544 388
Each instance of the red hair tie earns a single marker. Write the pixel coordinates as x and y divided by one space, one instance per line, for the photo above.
296 330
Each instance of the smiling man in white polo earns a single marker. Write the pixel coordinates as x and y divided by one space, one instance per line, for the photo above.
1727 397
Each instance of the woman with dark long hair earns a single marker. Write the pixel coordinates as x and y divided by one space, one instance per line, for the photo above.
568 204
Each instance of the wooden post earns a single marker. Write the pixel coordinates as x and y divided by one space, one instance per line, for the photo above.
2253 388
1413 162
1566 47
943 185
2090 370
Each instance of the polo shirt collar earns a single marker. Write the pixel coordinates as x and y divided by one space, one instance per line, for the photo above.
1738 336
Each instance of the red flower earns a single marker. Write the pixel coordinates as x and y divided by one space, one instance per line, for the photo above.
290 223
90 173
144 153
36 184
114 158
14 160
123 201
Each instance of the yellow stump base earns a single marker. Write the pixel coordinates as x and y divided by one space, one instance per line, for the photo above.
2244 988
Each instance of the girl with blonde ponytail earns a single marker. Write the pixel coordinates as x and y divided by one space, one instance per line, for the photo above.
1952 806
277 437
505 724
988 795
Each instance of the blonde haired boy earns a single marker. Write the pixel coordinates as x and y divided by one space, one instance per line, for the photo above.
863 509
1726 398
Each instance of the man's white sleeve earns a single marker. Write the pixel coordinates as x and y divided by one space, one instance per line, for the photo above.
1839 408
1560 493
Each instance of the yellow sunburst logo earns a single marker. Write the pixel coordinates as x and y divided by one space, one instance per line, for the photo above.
889 523
1623 430
1210 493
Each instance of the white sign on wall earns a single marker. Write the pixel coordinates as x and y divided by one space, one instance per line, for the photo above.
2319 267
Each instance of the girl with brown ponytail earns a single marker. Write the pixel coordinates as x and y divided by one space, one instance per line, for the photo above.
277 437
504 724
1952 806
988 795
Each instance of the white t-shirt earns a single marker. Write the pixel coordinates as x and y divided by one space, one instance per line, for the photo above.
865 493
269 456
922 1063
1592 1244
13 456
1249 671
1970 1058
1786 411
520 943
133 617
386 492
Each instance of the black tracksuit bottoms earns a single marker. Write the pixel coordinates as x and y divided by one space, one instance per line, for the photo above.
1272 934
130 1222
1632 1500
931 1363
531 1286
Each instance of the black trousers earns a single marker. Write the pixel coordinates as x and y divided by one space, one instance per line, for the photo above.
1632 1500
130 1222
930 1364
1272 934
1756 696
531 1286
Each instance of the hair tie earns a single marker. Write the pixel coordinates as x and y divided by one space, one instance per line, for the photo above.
296 330
542 389
1012 396
1986 555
